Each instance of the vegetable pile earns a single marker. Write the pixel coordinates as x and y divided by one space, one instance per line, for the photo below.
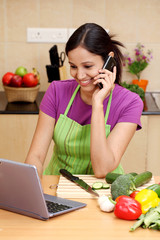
128 203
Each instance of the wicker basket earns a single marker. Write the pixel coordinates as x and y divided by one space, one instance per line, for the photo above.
22 94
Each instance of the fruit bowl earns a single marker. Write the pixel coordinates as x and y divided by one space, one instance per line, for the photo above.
21 94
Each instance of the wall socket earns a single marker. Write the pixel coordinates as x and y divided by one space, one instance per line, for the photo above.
47 35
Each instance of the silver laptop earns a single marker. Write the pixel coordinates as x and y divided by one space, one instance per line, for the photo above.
21 192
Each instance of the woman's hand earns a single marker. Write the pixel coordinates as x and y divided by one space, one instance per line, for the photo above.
107 78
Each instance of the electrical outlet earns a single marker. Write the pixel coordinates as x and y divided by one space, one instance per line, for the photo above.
47 35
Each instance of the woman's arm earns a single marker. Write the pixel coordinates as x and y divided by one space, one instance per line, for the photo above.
41 141
106 153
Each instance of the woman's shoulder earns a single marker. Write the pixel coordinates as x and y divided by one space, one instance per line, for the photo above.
124 93
61 88
125 99
57 96
64 84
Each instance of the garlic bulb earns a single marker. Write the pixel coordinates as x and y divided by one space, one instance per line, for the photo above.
105 204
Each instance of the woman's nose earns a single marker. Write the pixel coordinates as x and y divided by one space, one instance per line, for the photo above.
81 74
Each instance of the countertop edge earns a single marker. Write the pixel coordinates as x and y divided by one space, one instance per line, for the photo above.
151 106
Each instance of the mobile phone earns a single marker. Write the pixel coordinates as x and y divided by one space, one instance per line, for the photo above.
108 64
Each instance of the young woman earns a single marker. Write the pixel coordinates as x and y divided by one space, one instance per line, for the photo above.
91 127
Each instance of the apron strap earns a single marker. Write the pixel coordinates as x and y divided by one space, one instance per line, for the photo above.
71 100
73 96
108 107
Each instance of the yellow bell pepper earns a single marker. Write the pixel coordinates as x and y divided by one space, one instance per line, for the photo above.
148 199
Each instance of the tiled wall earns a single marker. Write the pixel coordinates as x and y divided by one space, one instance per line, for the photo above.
132 22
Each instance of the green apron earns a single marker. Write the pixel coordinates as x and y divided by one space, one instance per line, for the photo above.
72 144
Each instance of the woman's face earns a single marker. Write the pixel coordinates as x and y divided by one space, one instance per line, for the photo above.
84 66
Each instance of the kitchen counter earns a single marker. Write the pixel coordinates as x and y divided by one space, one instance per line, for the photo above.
151 105
19 107
86 223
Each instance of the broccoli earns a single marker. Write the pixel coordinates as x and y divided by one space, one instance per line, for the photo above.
123 185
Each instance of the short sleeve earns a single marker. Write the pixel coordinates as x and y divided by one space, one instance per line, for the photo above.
48 103
126 106
132 111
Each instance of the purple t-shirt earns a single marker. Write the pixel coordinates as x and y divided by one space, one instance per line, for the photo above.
126 106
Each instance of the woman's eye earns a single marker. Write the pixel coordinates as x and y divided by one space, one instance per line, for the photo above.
88 66
72 66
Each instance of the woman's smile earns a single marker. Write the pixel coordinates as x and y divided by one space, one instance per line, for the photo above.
85 82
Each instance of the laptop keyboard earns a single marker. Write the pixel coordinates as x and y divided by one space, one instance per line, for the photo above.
56 207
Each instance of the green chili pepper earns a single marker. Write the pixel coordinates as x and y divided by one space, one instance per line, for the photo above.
156 188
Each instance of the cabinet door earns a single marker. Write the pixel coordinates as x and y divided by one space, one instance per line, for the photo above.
153 147
134 159
16 133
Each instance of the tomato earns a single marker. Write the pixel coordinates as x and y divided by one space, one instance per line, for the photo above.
30 80
7 78
133 194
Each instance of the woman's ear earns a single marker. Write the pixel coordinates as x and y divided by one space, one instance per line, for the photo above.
111 54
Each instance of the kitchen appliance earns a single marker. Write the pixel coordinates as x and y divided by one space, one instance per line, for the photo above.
21 192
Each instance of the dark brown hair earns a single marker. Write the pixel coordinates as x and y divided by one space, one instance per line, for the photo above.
96 40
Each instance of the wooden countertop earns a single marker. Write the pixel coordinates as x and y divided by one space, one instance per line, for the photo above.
88 223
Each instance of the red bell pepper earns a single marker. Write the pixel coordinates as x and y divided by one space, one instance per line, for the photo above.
127 208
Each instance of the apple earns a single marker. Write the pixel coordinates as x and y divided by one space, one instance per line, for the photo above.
16 81
30 80
21 71
6 79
